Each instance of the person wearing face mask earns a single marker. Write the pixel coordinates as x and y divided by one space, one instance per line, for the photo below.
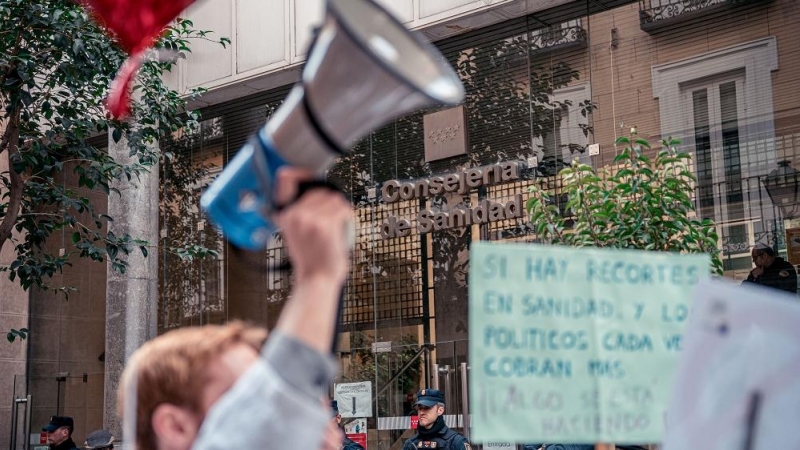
432 432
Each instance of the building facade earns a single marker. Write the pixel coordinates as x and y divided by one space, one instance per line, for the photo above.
542 89
548 81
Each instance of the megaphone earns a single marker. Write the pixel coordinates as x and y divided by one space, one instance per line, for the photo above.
363 69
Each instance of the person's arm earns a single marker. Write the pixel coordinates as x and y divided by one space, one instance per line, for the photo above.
459 442
789 282
750 278
315 230
276 404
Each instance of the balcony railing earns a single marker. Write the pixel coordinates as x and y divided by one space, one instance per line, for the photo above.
569 34
657 14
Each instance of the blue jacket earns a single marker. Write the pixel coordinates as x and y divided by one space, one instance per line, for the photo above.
351 445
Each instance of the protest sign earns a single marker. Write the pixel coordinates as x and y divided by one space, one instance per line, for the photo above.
737 383
499 446
354 399
575 345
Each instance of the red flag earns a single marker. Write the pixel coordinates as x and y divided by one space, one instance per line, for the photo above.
136 25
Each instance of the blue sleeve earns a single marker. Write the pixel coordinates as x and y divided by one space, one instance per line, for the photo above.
352 445
460 443
789 283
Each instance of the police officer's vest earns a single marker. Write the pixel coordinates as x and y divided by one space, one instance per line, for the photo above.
446 440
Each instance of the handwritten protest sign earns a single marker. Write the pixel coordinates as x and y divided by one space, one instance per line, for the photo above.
737 384
575 345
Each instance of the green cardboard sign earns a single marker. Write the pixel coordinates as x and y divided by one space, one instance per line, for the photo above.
575 345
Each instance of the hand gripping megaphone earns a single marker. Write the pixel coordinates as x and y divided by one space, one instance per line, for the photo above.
364 69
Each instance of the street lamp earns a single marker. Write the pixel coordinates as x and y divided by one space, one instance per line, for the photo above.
783 189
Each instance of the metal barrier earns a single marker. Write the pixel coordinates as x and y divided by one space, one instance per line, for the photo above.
26 425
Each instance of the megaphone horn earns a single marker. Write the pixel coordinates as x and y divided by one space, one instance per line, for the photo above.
364 69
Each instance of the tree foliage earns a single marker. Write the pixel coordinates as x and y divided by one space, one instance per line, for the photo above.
511 102
56 65
188 286
640 202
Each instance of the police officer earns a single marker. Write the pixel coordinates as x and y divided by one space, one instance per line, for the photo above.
772 271
347 444
432 432
59 433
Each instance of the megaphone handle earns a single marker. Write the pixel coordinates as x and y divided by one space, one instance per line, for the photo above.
337 327
305 186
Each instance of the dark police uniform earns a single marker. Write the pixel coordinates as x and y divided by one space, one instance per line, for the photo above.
57 422
439 436
779 275
351 445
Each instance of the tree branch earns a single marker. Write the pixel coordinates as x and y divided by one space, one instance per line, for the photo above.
6 136
16 186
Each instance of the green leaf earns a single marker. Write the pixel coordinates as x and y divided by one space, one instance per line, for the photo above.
76 237
622 140
624 173
77 46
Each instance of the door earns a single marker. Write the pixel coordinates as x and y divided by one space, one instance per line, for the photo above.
714 114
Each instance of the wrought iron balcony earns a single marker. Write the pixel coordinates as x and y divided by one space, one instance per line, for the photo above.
566 35
655 15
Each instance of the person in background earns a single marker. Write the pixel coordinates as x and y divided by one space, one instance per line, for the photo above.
772 271
432 432
59 433
99 440
337 418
